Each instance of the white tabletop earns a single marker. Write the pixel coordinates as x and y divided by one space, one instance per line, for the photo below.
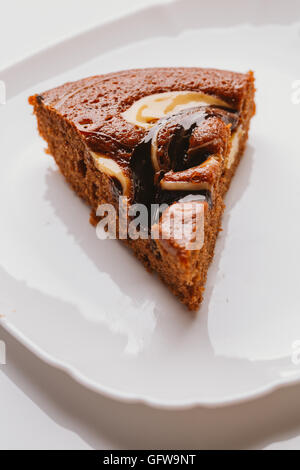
43 408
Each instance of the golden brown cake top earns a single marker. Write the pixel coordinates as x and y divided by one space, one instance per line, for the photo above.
95 105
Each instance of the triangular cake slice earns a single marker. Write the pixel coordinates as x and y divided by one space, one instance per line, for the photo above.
171 136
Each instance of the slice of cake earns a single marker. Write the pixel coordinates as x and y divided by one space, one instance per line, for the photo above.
165 138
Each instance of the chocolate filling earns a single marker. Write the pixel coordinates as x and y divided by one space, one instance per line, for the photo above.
174 153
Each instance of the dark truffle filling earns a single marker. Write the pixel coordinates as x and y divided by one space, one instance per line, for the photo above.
175 153
168 197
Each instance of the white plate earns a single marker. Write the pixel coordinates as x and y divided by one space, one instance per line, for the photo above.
88 306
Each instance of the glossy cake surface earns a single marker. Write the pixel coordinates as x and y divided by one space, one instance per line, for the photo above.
96 104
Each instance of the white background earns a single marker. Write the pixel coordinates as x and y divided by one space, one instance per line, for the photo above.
42 408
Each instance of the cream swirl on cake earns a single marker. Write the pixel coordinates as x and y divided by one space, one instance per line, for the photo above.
183 153
177 125
148 110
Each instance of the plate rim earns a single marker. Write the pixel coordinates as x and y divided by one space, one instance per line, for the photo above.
131 398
